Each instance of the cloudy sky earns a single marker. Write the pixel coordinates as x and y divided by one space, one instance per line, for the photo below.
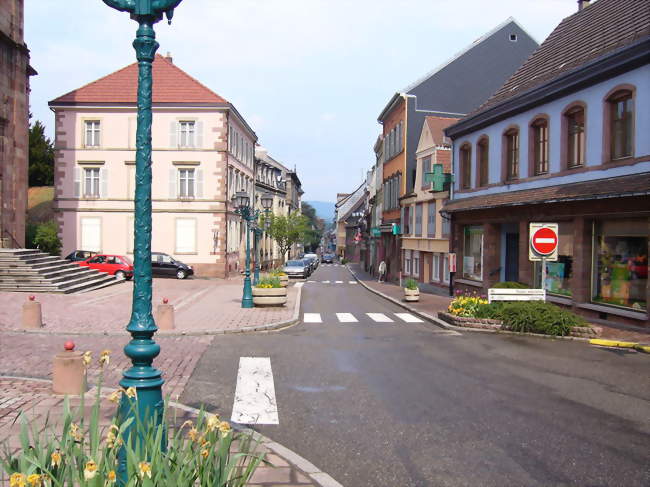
310 76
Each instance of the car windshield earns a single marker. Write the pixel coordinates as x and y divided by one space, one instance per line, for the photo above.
126 260
294 263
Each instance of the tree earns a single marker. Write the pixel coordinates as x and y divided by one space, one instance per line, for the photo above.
47 239
41 156
285 230
315 228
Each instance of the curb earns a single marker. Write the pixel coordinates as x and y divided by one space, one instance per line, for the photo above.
163 333
620 344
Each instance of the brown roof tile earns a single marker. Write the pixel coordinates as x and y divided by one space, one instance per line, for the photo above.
600 188
437 126
602 27
171 85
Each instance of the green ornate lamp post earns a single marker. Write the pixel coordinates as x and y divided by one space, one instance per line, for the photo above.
267 203
142 349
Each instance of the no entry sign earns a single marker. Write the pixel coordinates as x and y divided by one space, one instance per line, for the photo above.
543 241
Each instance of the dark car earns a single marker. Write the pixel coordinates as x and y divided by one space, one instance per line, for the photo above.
327 259
79 255
165 265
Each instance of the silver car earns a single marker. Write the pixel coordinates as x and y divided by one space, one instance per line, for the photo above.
314 260
296 268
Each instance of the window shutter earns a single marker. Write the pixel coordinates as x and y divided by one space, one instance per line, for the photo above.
173 134
199 183
199 135
172 184
402 220
77 182
185 235
103 182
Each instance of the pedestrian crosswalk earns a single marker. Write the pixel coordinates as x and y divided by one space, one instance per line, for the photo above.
313 281
352 318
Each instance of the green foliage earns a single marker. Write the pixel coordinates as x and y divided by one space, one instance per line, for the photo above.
41 157
537 317
46 238
268 282
411 284
510 285
315 228
344 261
277 272
30 234
285 230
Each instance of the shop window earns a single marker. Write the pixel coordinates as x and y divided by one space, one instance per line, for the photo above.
482 159
558 274
621 123
575 137
621 263
466 166
473 252
435 274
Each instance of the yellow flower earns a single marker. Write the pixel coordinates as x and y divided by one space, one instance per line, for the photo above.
187 423
34 480
115 396
111 477
90 471
76 434
105 357
145 469
224 427
213 422
56 458
17 480
205 453
131 392
193 434
87 358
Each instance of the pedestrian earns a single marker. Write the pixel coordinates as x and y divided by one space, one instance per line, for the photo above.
382 271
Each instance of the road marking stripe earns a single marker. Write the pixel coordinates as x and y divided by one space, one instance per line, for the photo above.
346 318
379 317
299 284
192 297
255 393
409 318
312 318
325 282
352 282
339 282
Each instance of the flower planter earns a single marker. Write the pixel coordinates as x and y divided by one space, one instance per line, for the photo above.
284 280
411 295
272 296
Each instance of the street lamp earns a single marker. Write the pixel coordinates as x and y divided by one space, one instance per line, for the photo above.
267 203
142 349
248 214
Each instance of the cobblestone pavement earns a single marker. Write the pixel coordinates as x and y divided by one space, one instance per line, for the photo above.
199 306
35 400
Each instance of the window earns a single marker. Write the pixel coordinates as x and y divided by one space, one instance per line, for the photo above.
575 137
418 220
512 154
539 130
185 235
445 270
394 141
558 274
466 166
435 271
91 183
407 262
186 188
91 133
416 263
621 124
406 224
186 132
130 181
446 222
431 219
473 252
91 234
482 154
621 263
426 167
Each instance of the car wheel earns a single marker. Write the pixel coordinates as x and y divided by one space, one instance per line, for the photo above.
180 274
120 275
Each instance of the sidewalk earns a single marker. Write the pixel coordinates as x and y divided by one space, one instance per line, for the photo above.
35 400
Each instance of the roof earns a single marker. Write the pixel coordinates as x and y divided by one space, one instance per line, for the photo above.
437 126
171 85
632 185
599 28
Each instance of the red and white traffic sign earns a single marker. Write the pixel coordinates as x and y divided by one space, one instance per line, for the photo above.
543 241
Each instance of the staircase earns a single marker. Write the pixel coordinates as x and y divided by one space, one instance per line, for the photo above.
25 270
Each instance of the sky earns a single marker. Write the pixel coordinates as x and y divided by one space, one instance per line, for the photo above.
310 76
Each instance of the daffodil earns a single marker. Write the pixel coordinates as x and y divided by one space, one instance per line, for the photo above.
87 358
76 434
105 357
34 480
17 480
212 422
115 396
55 458
193 434
224 427
111 477
205 452
145 469
131 392
90 470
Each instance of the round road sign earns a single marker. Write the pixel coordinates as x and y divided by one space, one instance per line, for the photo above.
544 241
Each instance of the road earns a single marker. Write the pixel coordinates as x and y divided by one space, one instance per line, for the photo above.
406 404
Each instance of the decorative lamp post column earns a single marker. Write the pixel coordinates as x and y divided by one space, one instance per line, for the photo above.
242 202
257 232
142 349
267 203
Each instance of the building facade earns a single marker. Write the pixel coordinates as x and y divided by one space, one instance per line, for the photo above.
203 152
14 124
565 141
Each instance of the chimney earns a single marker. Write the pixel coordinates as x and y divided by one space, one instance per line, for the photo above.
169 57
582 4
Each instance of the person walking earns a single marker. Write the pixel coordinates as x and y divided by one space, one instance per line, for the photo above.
382 271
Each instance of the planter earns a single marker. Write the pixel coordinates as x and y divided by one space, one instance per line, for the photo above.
411 295
284 280
273 296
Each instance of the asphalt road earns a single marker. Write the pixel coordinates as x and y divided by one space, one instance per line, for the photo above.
405 404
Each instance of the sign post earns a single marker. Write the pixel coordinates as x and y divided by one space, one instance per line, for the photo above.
544 239
452 271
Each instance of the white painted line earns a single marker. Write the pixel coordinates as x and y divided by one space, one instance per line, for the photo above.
312 318
544 240
379 317
191 298
255 393
325 282
339 282
346 318
409 318
298 284
352 282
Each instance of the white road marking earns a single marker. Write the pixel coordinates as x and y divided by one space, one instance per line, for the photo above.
379 317
346 318
191 298
255 393
312 318
339 282
325 282
409 318
352 282
298 284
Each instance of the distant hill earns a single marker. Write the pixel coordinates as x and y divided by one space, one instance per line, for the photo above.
39 204
324 209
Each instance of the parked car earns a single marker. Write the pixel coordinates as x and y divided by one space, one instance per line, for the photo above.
314 258
115 265
78 255
297 268
327 258
165 265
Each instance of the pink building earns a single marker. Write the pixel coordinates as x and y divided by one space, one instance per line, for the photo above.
203 151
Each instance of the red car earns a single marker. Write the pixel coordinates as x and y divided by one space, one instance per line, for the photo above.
115 265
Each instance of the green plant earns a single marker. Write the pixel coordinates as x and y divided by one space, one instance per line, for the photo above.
268 282
411 284
205 452
277 272
538 317
467 305
30 234
47 238
344 261
510 285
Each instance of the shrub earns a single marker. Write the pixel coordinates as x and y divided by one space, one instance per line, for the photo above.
30 234
510 285
344 261
277 272
47 238
538 317
411 284
268 282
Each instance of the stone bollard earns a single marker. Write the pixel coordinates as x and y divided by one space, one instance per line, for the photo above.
69 371
32 316
165 316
